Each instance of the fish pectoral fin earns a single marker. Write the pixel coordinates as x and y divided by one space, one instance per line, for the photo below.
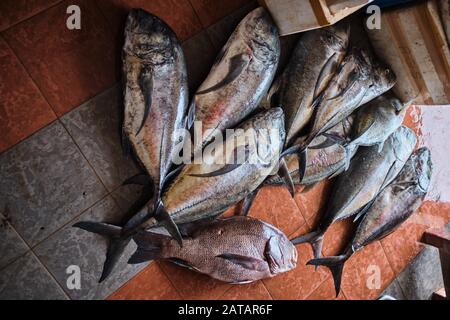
363 210
183 263
146 86
164 218
302 162
249 263
237 64
284 173
352 78
331 139
237 162
328 68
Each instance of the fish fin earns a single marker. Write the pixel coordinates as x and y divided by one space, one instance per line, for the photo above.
331 139
149 246
237 64
327 143
190 117
146 86
283 172
142 179
182 263
272 98
248 201
380 146
328 68
302 162
363 210
244 261
229 166
317 100
164 218
139 211
188 229
336 266
315 238
116 246
352 78
172 175
125 143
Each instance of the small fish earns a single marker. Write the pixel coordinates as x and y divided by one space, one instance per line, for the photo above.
239 78
313 62
235 250
198 192
392 206
369 172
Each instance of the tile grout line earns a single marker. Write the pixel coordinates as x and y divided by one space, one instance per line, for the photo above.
393 270
32 16
170 280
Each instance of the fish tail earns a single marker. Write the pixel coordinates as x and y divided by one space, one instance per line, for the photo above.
149 246
314 238
117 243
335 264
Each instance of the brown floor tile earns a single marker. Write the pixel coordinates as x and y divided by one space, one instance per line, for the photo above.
69 66
312 202
193 285
299 283
326 291
23 110
150 284
251 291
337 237
359 270
275 205
14 11
178 14
210 11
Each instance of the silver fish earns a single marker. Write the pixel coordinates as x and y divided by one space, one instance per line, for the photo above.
236 250
155 93
392 206
369 172
240 77
313 62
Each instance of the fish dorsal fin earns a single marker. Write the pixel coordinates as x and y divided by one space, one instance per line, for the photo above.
249 263
237 63
284 174
164 218
146 86
248 201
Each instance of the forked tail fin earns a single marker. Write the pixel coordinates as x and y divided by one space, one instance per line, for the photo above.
116 246
336 265
315 238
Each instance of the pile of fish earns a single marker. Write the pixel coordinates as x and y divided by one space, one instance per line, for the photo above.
331 115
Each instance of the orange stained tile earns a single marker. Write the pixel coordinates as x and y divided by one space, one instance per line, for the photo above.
14 11
337 237
232 211
367 273
313 201
275 205
150 284
210 11
23 110
193 285
326 291
178 14
251 291
299 283
69 66
404 244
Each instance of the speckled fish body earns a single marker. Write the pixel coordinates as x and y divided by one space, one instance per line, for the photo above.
313 62
236 250
239 78
192 197
391 207
155 92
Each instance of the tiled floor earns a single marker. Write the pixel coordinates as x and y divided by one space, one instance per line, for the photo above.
60 161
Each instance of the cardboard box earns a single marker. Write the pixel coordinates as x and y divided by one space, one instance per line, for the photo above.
412 41
292 16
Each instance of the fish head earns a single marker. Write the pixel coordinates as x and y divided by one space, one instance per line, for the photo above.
383 78
148 38
423 167
261 32
280 253
403 141
337 36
